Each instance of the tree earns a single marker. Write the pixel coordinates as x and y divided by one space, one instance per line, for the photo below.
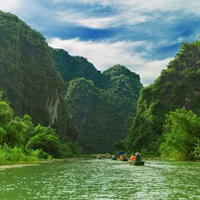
119 145
45 139
19 130
2 134
15 133
181 135
6 112
6 115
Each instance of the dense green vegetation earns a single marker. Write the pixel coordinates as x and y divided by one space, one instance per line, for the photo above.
181 136
28 76
72 67
33 87
100 103
177 87
59 102
102 114
26 64
21 140
96 108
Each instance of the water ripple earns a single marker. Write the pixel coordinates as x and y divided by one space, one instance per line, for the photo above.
102 179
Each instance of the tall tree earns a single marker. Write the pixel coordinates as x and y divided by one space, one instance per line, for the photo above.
181 135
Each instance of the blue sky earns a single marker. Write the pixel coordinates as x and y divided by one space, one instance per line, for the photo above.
141 35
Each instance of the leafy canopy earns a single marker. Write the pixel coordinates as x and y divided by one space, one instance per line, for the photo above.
181 135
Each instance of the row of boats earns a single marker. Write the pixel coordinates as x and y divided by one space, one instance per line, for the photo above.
134 160
131 161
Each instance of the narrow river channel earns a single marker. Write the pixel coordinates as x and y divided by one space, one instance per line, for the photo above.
102 179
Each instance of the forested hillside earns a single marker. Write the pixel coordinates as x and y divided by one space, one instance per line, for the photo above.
25 61
28 76
177 88
100 103
47 88
64 92
72 67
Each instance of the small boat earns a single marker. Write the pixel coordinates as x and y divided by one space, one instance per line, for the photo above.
113 157
124 159
137 163
99 157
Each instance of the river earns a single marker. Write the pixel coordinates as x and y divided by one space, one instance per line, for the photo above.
102 179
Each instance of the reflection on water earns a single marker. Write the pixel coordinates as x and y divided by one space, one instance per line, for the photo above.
102 180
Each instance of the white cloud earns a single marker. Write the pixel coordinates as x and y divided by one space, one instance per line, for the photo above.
83 19
102 54
150 6
105 54
123 15
151 70
142 5
97 22
24 9
10 6
127 14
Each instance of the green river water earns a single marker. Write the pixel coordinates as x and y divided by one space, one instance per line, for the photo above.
102 180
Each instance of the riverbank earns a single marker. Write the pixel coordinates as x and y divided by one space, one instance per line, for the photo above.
3 167
33 163
23 164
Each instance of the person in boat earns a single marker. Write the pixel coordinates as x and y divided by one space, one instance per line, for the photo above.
132 158
99 157
114 157
121 157
138 157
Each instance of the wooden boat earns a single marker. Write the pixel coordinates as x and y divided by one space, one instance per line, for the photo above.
124 159
137 163
99 157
